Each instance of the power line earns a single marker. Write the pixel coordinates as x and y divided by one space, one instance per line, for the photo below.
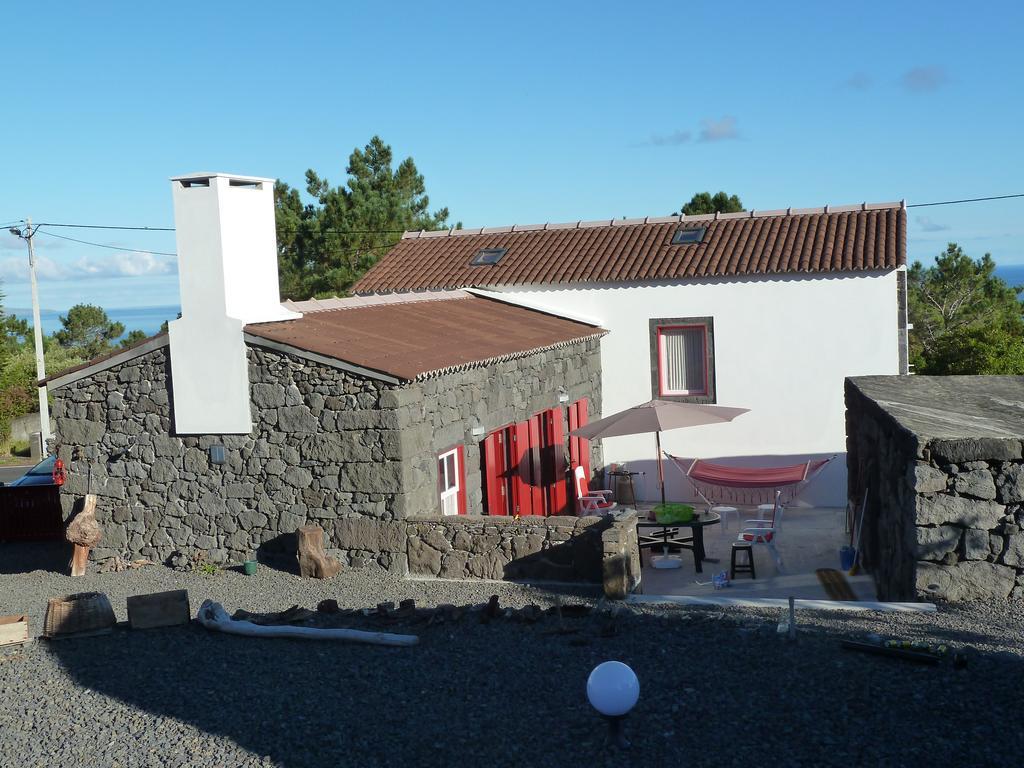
967 200
111 247
165 253
172 229
104 226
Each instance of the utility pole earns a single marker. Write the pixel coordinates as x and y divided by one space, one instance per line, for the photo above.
37 327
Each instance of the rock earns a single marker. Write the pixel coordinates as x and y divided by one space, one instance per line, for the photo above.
454 565
163 471
975 449
977 483
942 508
296 418
368 535
976 544
487 566
328 606
268 395
240 490
935 543
424 560
80 431
1010 484
1014 553
978 580
298 477
925 478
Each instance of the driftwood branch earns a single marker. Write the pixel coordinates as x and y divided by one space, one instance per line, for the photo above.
84 533
213 616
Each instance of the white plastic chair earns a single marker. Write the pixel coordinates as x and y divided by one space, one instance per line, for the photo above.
765 532
724 512
590 502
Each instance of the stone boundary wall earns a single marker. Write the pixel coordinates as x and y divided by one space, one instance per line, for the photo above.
559 548
944 517
620 550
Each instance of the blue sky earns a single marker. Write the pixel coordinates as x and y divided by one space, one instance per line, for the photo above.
515 113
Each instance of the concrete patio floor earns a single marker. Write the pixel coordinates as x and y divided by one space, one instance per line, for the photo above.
809 539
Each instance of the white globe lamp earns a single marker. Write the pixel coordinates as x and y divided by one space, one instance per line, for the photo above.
613 690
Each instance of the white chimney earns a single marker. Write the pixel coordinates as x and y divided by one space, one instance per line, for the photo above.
227 272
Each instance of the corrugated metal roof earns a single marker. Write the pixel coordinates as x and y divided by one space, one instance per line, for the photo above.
417 339
851 238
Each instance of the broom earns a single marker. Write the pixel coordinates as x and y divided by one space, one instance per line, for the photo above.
854 569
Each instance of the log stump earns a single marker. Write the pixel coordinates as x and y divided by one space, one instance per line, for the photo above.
84 533
314 562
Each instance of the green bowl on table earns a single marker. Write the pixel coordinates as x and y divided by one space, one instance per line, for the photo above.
673 513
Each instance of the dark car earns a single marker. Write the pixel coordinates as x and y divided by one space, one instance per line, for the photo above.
40 474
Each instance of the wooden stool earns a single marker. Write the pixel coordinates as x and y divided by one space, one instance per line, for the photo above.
748 566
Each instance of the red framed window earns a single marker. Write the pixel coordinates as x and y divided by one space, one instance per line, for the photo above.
451 480
683 360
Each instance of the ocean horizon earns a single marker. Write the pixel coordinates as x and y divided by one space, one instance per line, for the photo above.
145 319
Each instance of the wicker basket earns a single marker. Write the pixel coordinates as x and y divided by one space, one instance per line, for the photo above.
85 613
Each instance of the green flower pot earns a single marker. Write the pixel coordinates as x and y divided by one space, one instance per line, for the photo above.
250 566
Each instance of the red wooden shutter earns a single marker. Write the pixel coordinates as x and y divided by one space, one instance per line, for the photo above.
536 469
556 442
522 471
574 442
492 475
461 458
579 448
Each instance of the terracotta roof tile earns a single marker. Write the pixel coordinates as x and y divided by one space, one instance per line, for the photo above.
851 238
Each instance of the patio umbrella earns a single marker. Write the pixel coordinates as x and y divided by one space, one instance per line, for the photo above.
657 416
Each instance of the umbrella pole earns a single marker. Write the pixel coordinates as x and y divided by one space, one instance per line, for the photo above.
661 468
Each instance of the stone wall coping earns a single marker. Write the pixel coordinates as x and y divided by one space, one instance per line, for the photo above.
554 521
950 407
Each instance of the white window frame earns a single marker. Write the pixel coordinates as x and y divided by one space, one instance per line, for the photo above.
449 494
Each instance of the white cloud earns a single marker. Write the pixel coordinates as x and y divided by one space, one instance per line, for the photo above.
929 78
928 225
858 81
673 139
718 130
710 130
129 264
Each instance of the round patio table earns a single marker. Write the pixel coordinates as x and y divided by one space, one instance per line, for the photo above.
671 536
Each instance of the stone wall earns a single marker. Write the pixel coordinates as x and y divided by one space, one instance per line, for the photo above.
620 556
944 515
324 447
441 412
559 548
348 453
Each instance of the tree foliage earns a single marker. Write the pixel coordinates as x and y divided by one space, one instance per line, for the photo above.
705 202
325 246
132 338
87 330
966 319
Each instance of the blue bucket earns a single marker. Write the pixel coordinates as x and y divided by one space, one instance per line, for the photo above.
847 556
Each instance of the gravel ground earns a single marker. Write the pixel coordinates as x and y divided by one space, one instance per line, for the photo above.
718 687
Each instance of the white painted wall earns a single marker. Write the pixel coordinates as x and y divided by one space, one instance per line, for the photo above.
783 347
227 272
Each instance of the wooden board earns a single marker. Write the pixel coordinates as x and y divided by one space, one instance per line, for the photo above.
161 609
13 629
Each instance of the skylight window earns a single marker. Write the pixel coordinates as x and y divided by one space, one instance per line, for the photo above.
486 257
686 235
